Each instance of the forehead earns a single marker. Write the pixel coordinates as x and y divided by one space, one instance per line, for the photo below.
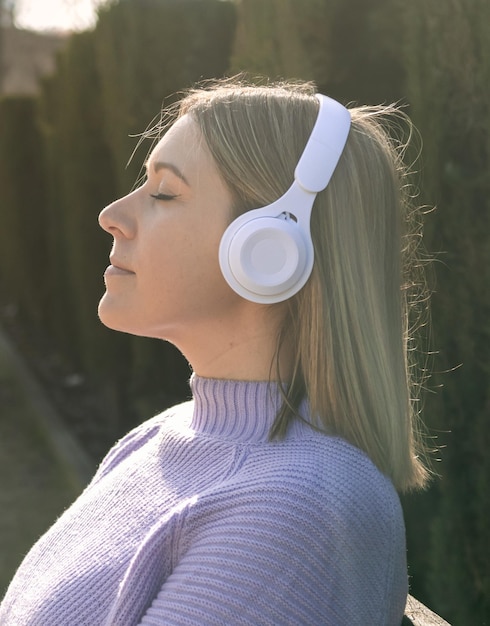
182 145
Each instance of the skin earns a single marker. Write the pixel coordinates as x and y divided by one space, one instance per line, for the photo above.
164 280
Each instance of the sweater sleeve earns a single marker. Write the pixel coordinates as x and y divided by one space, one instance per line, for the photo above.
288 553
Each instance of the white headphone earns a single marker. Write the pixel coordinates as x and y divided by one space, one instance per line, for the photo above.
266 255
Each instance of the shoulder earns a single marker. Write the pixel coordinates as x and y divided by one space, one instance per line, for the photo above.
322 480
175 418
332 488
361 499
329 467
347 475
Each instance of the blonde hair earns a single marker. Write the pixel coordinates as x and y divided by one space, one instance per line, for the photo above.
350 323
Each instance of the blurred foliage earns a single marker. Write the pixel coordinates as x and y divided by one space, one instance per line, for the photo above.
448 78
64 155
351 49
23 192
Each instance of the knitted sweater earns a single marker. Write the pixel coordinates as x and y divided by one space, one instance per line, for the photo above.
195 518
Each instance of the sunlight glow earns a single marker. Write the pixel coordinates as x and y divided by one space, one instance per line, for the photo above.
56 15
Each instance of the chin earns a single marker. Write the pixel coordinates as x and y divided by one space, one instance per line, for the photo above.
111 315
117 318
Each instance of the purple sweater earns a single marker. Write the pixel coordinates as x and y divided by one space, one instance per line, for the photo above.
195 518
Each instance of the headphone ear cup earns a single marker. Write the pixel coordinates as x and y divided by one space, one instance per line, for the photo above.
265 259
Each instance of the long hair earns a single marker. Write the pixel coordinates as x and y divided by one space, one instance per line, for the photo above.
350 324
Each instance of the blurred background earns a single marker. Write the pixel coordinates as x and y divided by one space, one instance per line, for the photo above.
80 79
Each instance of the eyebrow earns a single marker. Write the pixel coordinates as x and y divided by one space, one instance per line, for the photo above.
162 165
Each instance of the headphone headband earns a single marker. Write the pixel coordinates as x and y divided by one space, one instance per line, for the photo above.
266 255
325 145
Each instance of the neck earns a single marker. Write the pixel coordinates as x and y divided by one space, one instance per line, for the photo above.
241 349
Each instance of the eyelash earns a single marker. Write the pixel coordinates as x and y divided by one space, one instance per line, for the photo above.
163 196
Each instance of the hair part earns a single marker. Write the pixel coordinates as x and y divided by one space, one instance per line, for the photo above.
350 325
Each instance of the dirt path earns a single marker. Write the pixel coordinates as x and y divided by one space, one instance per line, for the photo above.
42 469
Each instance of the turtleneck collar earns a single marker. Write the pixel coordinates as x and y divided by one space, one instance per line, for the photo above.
234 409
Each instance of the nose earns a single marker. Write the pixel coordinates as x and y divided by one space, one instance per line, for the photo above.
118 218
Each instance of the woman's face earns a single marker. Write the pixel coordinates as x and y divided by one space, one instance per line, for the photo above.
164 279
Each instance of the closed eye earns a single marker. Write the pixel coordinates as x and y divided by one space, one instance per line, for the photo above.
164 196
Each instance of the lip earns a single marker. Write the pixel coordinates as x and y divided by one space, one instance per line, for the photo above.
115 269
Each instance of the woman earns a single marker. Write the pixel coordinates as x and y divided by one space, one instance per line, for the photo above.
270 498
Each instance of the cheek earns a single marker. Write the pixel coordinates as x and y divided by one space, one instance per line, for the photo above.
169 255
185 260
180 256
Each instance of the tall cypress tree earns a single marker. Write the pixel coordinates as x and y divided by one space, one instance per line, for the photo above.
448 60
23 241
352 50
271 38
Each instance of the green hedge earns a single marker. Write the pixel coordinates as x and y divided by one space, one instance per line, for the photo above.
24 274
448 81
